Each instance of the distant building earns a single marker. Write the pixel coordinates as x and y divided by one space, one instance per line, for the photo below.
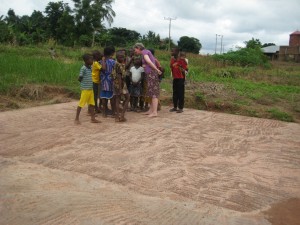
295 39
271 51
292 51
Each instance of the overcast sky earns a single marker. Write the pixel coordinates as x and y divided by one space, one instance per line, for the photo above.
270 21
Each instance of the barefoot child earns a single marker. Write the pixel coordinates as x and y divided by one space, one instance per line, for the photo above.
119 87
136 75
86 86
106 93
96 77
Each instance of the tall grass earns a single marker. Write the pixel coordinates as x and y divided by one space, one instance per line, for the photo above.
19 69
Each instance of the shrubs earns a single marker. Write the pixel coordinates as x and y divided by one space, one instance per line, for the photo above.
244 57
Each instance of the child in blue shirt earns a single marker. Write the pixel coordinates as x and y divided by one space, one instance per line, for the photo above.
108 63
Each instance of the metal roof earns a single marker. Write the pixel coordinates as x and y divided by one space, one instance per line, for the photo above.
270 49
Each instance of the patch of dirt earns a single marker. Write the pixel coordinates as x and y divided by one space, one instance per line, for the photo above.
196 167
284 212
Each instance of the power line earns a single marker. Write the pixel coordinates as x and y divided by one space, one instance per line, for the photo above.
170 19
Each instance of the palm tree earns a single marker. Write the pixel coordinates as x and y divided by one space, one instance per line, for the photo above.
91 14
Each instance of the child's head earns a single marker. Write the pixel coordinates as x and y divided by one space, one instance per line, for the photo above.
97 55
109 51
182 54
175 52
120 56
137 62
123 50
131 52
88 59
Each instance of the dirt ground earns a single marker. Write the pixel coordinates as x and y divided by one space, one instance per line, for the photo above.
197 167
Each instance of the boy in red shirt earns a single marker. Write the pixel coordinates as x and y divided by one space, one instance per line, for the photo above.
178 67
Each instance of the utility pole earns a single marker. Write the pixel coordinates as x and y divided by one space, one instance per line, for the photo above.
219 35
170 19
216 43
221 44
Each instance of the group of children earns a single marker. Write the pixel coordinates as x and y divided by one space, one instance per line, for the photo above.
121 81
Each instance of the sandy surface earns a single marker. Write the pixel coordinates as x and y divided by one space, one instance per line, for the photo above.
192 168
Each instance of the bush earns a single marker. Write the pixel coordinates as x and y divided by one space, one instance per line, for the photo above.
243 57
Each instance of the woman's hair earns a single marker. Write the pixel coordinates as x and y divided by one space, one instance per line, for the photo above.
139 46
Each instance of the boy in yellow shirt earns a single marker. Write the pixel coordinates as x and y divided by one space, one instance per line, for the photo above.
96 67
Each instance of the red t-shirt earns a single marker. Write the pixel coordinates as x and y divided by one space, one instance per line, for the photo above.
177 68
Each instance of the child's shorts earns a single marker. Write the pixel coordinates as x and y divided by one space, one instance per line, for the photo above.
86 97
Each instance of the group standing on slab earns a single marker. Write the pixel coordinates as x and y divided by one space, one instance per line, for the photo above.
128 83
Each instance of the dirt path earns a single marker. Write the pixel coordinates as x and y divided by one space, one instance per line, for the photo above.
192 168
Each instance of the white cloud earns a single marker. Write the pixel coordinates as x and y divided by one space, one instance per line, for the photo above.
270 21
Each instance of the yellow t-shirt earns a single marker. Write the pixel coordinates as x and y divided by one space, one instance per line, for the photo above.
96 72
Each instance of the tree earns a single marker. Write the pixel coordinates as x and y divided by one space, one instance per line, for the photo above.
122 37
189 44
13 25
5 32
12 18
59 20
25 28
90 15
267 44
66 29
253 43
151 39
38 30
164 44
103 37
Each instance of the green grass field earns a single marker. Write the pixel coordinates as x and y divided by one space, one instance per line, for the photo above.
272 92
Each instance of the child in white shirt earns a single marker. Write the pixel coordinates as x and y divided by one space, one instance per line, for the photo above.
136 75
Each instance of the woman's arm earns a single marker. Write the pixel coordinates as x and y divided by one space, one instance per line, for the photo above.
148 61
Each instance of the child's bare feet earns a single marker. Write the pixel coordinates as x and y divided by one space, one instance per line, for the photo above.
77 122
95 121
89 114
147 113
